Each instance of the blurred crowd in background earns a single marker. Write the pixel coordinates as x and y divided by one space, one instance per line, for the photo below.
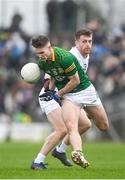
19 100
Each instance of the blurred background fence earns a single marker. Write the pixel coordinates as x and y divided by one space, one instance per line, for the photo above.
20 114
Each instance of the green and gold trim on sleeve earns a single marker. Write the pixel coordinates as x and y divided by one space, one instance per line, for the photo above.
70 68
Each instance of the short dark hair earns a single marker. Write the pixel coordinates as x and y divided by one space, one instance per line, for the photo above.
39 41
84 31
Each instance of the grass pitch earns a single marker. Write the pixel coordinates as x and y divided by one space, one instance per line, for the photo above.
107 161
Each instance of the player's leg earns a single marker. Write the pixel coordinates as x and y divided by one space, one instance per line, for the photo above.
71 114
49 107
56 120
54 114
99 116
84 122
83 125
94 108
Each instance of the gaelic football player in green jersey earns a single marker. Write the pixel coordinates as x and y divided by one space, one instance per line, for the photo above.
68 77
52 109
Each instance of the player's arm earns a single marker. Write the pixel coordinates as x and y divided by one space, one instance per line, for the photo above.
49 83
74 81
52 83
46 82
69 66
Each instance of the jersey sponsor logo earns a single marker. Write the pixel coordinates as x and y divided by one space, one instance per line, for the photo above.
70 68
60 78
55 71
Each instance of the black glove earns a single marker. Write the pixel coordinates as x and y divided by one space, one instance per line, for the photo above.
49 95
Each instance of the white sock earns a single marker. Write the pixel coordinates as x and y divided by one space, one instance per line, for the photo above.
62 147
40 158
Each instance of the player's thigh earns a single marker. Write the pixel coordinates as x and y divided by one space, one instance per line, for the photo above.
84 121
71 113
98 114
56 119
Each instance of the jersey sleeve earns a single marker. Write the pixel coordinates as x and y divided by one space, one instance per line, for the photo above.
69 65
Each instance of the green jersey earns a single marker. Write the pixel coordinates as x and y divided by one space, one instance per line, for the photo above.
63 65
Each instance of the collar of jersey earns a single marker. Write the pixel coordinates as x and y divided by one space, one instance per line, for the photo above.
53 54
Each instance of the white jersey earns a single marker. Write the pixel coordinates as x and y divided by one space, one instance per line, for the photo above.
83 61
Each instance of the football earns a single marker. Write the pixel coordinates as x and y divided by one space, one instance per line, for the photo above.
30 72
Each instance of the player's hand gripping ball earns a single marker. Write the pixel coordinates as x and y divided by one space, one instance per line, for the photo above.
30 72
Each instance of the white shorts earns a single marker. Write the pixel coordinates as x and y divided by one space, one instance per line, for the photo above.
47 106
86 97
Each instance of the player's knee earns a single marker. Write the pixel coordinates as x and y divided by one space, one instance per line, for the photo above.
84 127
88 124
104 126
70 128
62 133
